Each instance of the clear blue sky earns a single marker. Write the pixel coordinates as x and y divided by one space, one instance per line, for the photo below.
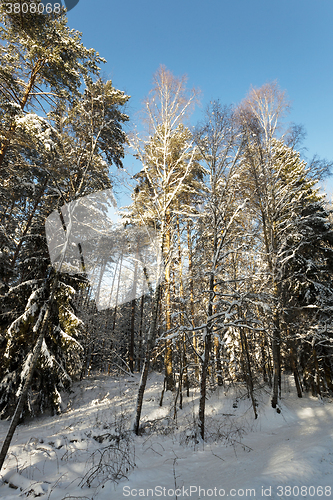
224 47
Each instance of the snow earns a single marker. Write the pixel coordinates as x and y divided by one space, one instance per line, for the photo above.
24 372
34 124
55 457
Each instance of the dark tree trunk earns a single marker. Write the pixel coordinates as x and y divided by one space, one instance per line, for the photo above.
293 362
150 344
140 334
203 384
276 365
249 377
131 346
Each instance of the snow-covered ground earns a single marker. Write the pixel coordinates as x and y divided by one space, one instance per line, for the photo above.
80 453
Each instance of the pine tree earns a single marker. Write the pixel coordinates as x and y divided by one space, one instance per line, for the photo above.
43 67
40 58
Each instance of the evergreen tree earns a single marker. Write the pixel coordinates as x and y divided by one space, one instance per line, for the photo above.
58 143
305 264
40 58
295 237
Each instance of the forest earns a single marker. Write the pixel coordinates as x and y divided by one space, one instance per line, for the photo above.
238 231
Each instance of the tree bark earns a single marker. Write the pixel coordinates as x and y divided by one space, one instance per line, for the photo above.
276 364
195 343
168 343
207 351
248 375
203 384
144 375
317 378
293 362
140 333
133 304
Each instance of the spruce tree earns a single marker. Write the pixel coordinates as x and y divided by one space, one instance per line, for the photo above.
305 265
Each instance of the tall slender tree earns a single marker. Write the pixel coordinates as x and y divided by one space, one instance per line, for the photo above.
220 147
168 158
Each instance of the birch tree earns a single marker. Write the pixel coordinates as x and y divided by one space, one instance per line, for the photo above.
282 187
219 145
168 157
260 114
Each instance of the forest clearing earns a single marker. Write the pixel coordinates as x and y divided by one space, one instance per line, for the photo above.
57 456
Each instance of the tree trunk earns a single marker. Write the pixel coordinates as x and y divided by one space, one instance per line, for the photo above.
293 362
203 384
28 224
249 377
182 344
263 361
140 334
317 378
195 343
276 364
131 346
133 304
144 375
116 304
207 350
269 363
168 343
218 361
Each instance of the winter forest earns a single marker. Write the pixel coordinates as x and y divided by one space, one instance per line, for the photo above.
242 307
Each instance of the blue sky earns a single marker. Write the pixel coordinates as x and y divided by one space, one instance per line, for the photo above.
224 47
